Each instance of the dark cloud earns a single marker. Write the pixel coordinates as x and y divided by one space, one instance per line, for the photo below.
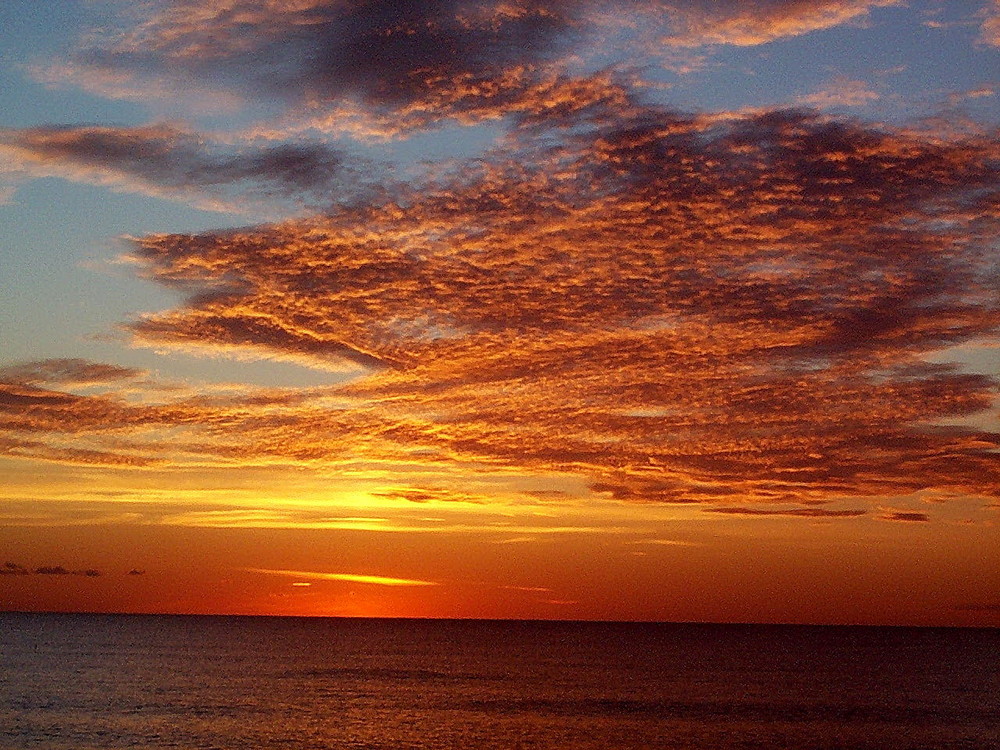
48 570
795 512
136 572
13 395
59 570
447 55
66 372
165 157
430 494
905 516
660 490
412 64
27 409
52 570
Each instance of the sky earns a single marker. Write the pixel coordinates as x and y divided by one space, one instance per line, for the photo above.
646 310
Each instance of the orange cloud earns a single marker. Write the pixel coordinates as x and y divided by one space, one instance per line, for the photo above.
678 309
698 22
990 27
841 92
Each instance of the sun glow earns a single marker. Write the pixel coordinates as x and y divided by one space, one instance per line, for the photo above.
348 577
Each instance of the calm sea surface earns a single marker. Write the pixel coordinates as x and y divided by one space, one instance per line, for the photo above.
92 681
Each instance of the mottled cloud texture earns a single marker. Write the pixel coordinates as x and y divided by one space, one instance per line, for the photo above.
740 310
421 60
399 66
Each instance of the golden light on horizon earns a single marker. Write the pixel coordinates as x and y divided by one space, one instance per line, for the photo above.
349 577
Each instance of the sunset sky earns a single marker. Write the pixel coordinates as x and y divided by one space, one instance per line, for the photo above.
657 310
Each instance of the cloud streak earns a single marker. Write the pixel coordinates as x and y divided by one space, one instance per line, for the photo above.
59 570
990 28
373 580
67 373
164 159
905 516
793 512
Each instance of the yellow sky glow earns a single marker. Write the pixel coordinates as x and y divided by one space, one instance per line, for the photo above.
349 577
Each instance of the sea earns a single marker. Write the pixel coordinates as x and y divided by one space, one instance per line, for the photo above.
83 682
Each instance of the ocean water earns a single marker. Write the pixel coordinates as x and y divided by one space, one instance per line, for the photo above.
83 682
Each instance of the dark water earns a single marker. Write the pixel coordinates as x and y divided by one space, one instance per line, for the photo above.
93 681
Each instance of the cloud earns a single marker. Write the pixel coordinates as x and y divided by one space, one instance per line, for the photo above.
52 570
701 22
667 542
168 160
515 540
430 494
384 67
905 516
10 568
347 577
675 308
66 373
990 27
794 512
841 92
980 92
382 54
103 427
748 271
29 409
987 17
